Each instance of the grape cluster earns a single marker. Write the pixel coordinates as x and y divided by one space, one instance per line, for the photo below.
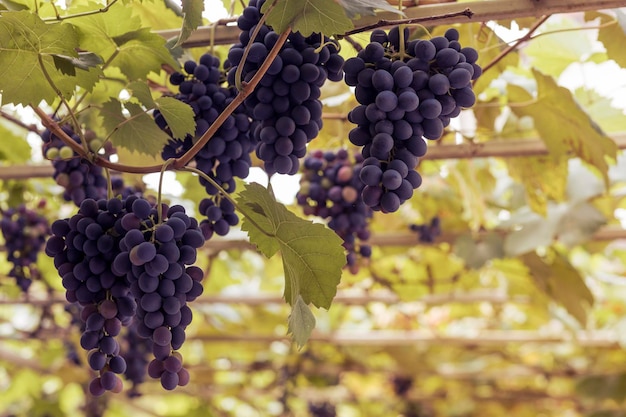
322 409
80 178
25 232
286 103
154 258
226 155
330 188
136 350
427 233
84 248
120 263
407 91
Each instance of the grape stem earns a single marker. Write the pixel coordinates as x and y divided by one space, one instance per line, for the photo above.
180 162
384 22
238 81
229 198
159 207
517 43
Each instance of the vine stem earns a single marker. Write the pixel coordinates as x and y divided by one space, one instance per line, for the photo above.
238 81
59 18
384 22
228 197
248 88
517 43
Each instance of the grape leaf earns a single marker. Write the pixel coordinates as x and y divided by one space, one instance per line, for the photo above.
313 256
13 147
612 36
307 16
555 276
137 133
178 115
192 18
562 124
355 8
27 50
68 64
301 322
118 37
552 54
544 178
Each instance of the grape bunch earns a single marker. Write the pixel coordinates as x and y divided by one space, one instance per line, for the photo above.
25 232
285 105
125 261
156 251
322 409
330 188
84 248
407 91
427 233
80 178
226 155
136 351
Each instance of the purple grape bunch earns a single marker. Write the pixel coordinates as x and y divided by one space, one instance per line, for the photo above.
226 155
126 261
25 232
330 188
157 250
80 178
285 105
84 248
405 95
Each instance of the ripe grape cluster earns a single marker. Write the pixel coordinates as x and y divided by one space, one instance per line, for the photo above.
330 188
80 178
226 155
407 91
154 258
25 232
285 105
427 233
322 409
120 263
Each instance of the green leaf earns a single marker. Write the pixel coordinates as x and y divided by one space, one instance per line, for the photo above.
313 255
532 230
562 124
301 322
119 37
137 133
68 64
27 50
578 224
552 54
192 18
178 115
141 91
476 254
307 17
13 146
555 276
612 36
544 178
141 52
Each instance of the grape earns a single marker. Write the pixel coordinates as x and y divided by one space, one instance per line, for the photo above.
91 280
401 102
427 233
25 231
79 178
162 291
331 188
287 90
